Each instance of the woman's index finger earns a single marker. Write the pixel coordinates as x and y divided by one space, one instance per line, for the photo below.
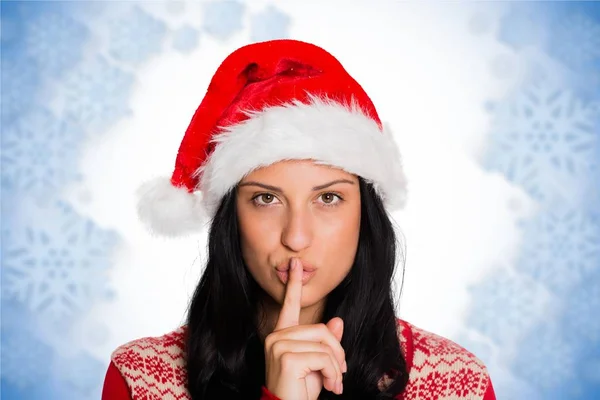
290 310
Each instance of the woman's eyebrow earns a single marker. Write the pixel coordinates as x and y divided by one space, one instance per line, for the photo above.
262 185
277 189
320 187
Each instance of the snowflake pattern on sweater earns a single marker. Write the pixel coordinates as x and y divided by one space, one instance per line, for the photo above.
153 368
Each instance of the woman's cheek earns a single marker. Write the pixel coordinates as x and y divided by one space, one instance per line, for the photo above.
341 239
262 227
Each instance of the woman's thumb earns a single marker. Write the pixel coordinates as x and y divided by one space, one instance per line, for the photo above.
336 326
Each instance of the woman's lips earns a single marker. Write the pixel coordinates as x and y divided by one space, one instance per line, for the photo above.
308 271
284 266
306 276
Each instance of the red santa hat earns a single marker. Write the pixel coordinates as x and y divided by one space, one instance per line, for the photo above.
268 102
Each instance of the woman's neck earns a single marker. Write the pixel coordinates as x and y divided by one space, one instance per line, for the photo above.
312 314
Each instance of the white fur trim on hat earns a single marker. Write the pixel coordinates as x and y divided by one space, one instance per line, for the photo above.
168 210
325 131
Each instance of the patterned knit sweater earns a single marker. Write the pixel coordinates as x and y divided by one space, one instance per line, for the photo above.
153 368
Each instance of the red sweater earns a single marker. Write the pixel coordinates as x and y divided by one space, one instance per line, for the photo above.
153 368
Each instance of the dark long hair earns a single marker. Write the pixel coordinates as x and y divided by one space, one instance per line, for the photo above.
225 356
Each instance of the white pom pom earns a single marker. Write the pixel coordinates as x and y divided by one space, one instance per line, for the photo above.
168 210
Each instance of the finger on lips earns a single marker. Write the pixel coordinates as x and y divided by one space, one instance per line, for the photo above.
290 310
314 345
290 314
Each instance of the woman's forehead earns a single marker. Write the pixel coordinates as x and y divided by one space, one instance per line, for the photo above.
298 170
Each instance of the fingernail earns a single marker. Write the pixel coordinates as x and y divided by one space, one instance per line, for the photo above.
293 264
298 263
341 387
344 367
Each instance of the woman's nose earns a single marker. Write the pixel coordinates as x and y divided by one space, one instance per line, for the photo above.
297 233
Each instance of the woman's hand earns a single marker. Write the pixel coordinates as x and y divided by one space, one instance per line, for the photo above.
302 359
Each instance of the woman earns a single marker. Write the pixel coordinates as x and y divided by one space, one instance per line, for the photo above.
297 176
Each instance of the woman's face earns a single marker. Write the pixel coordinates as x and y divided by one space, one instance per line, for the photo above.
299 209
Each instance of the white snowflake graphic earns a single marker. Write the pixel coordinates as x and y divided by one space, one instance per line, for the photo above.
561 247
547 358
222 19
55 265
185 39
97 94
543 139
25 360
39 152
135 36
576 40
20 82
505 306
271 23
55 41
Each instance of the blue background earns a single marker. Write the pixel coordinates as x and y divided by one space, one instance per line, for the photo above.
545 139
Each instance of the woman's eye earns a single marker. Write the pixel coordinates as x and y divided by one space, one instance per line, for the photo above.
264 199
330 198
267 198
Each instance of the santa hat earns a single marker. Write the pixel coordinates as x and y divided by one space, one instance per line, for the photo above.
268 102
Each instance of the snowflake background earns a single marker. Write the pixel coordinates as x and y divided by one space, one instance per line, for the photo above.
91 93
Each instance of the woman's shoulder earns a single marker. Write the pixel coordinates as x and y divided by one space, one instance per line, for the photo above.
172 340
154 365
420 346
438 364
